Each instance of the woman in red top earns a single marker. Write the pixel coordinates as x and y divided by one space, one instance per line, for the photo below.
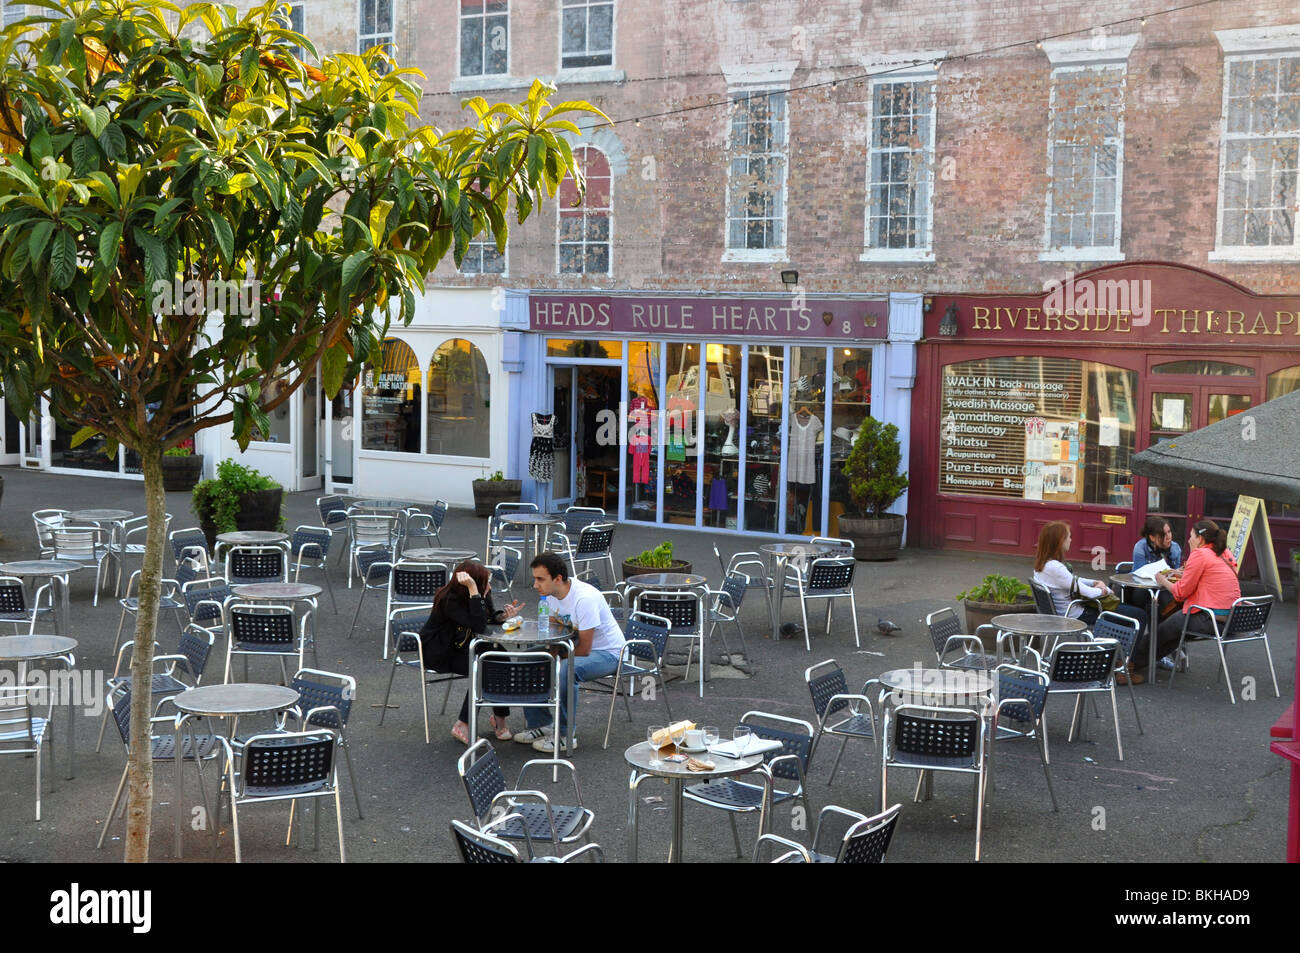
1209 579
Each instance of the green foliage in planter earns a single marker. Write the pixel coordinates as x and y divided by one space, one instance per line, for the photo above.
497 477
997 588
178 452
217 501
872 469
661 557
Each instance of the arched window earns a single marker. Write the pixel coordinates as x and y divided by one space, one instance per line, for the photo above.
459 400
584 227
1283 381
391 401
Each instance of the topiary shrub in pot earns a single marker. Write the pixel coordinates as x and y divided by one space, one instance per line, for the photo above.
874 486
240 498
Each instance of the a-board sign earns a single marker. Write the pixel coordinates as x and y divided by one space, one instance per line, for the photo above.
1250 522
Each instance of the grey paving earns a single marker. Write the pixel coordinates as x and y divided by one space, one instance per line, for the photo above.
1199 785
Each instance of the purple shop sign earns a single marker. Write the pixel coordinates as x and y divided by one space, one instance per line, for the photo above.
826 319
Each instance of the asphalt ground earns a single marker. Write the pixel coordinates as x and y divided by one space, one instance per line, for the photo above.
1199 785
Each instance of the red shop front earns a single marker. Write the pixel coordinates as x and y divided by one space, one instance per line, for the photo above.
1029 407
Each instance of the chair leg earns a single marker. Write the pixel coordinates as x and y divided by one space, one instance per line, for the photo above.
1042 749
853 607
834 768
356 615
979 812
1227 677
1114 713
383 709
803 612
424 702
112 809
735 833
352 776
609 721
329 587
1269 653
338 819
1133 698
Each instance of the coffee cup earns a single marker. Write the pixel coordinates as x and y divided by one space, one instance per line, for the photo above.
695 738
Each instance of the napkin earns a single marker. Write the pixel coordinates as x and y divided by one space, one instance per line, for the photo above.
695 764
663 737
755 746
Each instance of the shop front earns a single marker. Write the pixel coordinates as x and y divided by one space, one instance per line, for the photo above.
1031 406
714 412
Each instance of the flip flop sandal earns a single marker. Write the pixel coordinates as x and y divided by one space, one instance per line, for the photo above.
460 734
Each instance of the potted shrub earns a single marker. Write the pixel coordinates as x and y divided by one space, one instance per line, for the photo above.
490 491
659 559
874 485
240 498
995 595
181 466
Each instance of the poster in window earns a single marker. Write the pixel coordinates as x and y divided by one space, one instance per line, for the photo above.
1066 483
1034 480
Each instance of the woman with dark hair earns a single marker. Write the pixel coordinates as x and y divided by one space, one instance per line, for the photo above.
463 609
1157 543
1208 579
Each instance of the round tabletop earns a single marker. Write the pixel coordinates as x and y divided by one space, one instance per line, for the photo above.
276 590
252 537
1137 582
101 514
39 567
237 699
438 554
666 580
937 681
1029 623
796 549
526 634
381 505
638 757
22 648
530 519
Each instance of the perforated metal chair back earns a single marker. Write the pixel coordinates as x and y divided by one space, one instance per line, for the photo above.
284 765
483 781
735 586
793 741
185 541
255 564
317 692
404 631
122 712
368 557
12 599
477 847
417 582
1121 628
317 539
524 680
682 609
271 626
507 564
830 574
197 649
826 685
1031 690
595 540
214 596
1078 662
943 625
1248 616
437 513
333 509
1042 598
185 572
936 737
840 546
866 842
642 626
578 518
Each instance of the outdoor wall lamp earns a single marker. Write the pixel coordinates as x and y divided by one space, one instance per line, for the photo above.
948 323
789 277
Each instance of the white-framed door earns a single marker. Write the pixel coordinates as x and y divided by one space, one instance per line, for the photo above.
563 390
338 440
11 436
309 446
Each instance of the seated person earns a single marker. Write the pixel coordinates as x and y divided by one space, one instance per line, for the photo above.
1208 579
1157 543
598 642
463 609
1051 570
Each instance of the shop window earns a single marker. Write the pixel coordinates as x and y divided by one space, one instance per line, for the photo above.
805 441
850 387
278 429
376 27
899 160
1085 159
482 258
1039 428
764 391
1259 150
1204 369
756 154
459 401
584 225
681 433
484 37
391 401
643 442
587 33
1283 382
584 347
722 434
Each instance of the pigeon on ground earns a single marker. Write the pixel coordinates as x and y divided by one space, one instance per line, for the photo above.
888 628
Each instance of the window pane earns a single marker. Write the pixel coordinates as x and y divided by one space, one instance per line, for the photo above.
681 433
575 30
459 399
643 396
805 441
471 47
600 28
391 401
763 438
497 41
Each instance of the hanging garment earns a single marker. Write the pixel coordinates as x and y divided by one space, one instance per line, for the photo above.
680 426
640 432
803 448
541 454
718 494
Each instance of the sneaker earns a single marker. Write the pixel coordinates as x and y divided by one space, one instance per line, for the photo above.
547 745
1182 661
1166 663
531 736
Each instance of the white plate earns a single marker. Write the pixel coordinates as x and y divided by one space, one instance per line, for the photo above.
685 750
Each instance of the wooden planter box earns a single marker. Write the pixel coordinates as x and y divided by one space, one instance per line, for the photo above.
873 539
488 493
982 613
182 473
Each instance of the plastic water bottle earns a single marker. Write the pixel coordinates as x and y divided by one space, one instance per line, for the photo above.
543 619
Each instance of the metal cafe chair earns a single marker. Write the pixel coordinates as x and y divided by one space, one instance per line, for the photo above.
86 545
120 542
264 630
195 748
310 549
499 534
333 514
13 604
46 522
188 543
929 739
206 599
515 680
370 531
537 818
412 584
865 841
484 847
404 625
253 564
839 711
419 525
171 597
325 701
645 640
1022 696
684 608
724 608
827 579
375 565
1124 630
503 567
946 634
1085 668
788 763
25 725
594 544
280 766
1247 622
1044 601
576 518
752 559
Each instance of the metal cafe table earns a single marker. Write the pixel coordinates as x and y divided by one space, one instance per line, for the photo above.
663 582
1134 581
523 639
32 648
290 592
533 521
235 701
1033 626
439 554
778 557
638 758
56 570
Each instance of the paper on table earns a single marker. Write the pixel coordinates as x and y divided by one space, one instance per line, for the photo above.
756 746
1150 569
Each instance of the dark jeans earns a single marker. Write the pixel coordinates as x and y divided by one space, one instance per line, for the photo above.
1090 614
1171 630
458 663
464 710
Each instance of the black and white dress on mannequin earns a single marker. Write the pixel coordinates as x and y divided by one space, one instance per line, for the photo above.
541 455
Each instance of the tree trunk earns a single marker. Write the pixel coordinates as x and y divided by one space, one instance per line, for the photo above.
139 808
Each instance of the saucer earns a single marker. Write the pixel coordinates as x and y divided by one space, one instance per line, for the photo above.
685 750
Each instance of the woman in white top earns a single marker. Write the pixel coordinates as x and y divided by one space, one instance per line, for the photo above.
1051 570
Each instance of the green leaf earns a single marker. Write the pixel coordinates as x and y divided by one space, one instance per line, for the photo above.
82 435
40 236
248 67
110 243
238 182
63 260
224 235
334 365
536 155
85 157
96 119
113 141
351 266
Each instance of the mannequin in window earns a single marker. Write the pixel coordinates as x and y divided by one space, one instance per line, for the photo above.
802 462
639 436
541 454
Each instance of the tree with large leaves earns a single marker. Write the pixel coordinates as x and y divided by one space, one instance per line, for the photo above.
156 159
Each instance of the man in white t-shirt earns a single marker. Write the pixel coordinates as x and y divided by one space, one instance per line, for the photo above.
598 642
